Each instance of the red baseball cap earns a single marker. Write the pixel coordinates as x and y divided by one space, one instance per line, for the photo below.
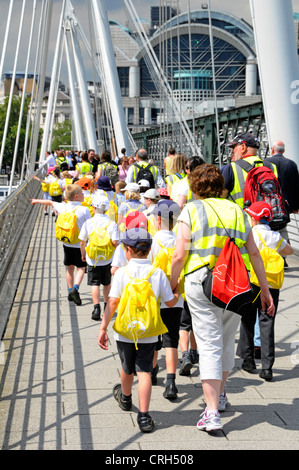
260 210
136 219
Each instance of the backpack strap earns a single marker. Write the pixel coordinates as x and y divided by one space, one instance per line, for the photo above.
246 165
263 241
150 273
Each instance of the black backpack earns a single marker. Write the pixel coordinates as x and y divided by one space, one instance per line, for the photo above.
145 173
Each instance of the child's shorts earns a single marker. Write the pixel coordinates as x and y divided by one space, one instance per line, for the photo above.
136 360
99 275
171 318
72 257
186 322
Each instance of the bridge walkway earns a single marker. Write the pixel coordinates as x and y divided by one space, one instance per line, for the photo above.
56 383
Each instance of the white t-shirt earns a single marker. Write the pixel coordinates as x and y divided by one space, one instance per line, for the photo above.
130 204
167 239
183 187
81 212
119 258
139 268
270 237
101 221
111 195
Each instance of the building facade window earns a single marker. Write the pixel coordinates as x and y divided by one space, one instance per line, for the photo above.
123 75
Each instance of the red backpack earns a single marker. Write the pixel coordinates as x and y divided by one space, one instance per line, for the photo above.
262 185
227 285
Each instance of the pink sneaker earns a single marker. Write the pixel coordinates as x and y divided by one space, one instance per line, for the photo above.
209 421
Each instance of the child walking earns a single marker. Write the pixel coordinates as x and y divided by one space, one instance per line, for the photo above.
72 253
165 215
98 267
137 244
261 215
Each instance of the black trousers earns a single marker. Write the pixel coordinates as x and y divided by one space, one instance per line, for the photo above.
245 347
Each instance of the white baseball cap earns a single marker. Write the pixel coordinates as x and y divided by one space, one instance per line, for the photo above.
151 194
100 202
131 187
144 183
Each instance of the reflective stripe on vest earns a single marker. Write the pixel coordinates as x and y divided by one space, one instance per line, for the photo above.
84 167
240 176
208 234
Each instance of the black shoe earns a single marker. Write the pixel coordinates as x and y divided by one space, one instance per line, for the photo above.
266 374
194 356
154 374
46 213
170 392
248 365
125 405
257 352
96 314
186 365
75 296
146 424
285 263
70 298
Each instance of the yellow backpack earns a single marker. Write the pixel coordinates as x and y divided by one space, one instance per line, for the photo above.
67 181
55 189
151 228
274 265
113 209
88 203
163 261
66 227
45 186
139 310
100 246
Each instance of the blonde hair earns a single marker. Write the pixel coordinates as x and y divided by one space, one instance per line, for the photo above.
71 191
178 164
132 195
66 174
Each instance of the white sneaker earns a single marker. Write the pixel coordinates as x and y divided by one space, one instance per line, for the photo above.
223 401
209 421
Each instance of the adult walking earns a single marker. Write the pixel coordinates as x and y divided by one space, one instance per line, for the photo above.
288 177
244 149
201 236
142 164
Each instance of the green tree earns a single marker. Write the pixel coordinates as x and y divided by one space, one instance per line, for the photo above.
12 130
62 135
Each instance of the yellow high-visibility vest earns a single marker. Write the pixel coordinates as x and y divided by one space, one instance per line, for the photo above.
208 235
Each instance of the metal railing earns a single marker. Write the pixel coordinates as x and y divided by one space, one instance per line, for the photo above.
17 218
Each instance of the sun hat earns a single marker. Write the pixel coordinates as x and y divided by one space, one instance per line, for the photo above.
151 194
104 183
138 238
84 183
260 211
134 187
100 202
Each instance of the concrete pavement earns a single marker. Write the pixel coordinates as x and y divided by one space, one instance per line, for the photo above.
56 383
